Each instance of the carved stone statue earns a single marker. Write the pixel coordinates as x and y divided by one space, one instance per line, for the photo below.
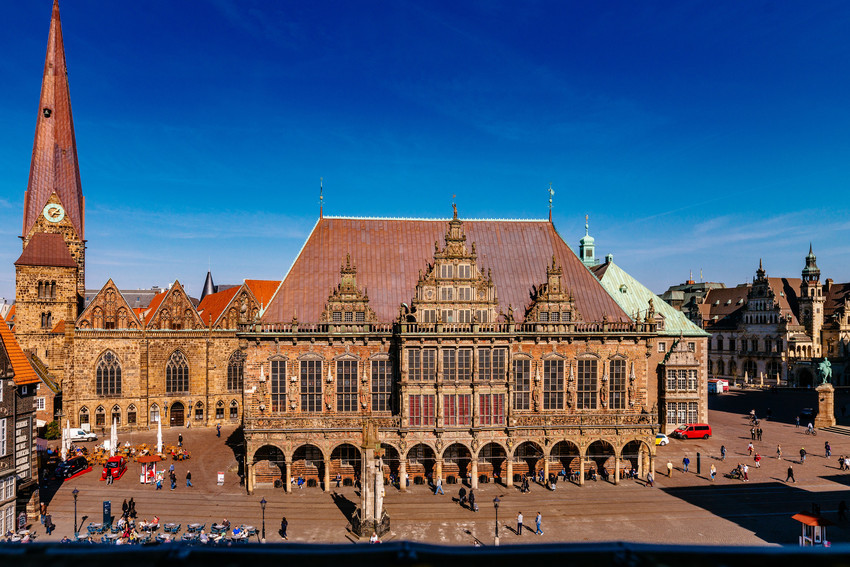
536 397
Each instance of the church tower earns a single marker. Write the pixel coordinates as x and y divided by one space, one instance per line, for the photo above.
587 247
811 302
50 273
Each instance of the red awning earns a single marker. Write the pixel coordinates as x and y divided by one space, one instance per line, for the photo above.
148 459
811 519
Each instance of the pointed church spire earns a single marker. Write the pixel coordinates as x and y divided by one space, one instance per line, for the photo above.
209 286
54 166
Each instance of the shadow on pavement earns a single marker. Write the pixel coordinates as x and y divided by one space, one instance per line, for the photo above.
346 506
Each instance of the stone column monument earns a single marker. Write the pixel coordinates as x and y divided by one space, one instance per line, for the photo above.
370 517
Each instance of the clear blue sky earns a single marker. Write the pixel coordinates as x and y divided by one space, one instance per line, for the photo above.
694 134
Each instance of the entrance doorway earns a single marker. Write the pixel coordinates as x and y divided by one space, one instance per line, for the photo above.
177 415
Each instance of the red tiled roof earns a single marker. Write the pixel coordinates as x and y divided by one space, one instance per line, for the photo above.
153 305
46 250
214 304
833 298
723 302
389 253
263 290
54 166
59 327
24 373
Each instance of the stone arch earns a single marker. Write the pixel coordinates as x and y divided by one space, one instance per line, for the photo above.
115 415
392 462
491 459
269 465
527 458
805 378
177 414
233 410
100 417
308 462
637 454
84 417
154 414
346 461
457 461
600 459
568 455
421 459
131 415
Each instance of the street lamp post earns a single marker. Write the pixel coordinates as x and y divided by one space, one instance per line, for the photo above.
75 492
263 506
496 506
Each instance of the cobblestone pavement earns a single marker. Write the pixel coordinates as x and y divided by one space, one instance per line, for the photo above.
685 508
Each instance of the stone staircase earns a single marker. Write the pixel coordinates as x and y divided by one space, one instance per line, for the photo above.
838 429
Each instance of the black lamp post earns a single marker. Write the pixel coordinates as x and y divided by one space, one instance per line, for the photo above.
263 506
75 492
496 506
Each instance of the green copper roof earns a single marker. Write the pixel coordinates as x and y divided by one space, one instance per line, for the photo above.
634 298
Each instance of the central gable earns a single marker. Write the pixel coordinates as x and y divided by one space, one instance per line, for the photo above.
391 252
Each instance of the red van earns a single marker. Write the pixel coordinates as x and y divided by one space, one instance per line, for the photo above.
692 431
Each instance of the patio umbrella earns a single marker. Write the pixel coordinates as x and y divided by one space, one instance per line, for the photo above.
158 434
65 432
113 437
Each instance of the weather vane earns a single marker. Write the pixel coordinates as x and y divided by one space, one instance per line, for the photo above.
551 193
321 196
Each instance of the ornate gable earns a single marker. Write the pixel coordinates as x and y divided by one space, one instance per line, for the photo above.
454 289
552 301
346 303
241 310
108 310
175 311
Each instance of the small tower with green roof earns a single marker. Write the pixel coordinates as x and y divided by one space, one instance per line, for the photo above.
587 248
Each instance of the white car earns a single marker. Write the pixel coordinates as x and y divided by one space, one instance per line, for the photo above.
661 439
77 434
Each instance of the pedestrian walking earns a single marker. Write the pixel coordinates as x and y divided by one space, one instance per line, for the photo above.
188 479
519 524
173 481
283 525
171 469
218 430
847 463
472 505
753 433
124 508
669 469
439 489
790 474
802 455
650 480
685 462
745 469
797 421
841 463
723 452
757 459
750 449
758 434
778 452
827 449
461 496
179 440
538 520
48 524
712 472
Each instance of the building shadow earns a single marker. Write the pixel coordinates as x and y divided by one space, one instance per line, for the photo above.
236 443
346 506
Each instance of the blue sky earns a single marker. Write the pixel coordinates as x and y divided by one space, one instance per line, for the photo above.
696 135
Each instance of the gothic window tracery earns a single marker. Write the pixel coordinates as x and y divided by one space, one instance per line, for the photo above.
108 375
235 371
177 373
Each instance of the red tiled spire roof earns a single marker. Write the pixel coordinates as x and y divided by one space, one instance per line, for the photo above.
46 249
389 253
24 373
54 166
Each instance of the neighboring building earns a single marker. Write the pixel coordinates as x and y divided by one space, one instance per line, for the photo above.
18 463
680 353
686 297
776 330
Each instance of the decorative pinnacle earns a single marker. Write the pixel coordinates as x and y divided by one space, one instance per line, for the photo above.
551 193
586 225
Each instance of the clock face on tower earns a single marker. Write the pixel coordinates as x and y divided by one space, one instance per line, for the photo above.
53 212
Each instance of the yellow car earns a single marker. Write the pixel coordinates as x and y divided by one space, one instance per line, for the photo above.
661 439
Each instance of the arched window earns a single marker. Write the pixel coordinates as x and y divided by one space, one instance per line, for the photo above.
131 415
154 413
720 370
617 383
234 409
199 411
100 417
177 374
108 375
219 410
84 416
116 415
235 371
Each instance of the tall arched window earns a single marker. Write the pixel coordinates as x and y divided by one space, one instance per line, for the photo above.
617 383
235 371
108 375
154 416
177 374
116 416
84 416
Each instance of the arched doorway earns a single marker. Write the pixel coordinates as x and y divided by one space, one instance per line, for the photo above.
805 378
269 467
569 456
420 463
528 459
345 461
308 463
491 462
636 456
391 464
177 413
600 460
456 460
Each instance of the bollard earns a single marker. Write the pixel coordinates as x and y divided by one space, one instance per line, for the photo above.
698 463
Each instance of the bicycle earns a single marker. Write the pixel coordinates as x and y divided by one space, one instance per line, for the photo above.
812 432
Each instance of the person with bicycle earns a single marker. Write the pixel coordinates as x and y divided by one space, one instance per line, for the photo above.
810 429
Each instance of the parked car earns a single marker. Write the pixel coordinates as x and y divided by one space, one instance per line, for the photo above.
77 434
661 439
75 466
692 431
116 466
